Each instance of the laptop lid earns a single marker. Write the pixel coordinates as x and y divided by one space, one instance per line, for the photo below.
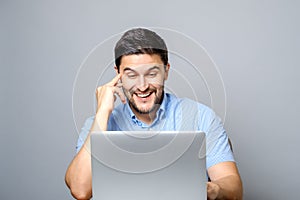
147 165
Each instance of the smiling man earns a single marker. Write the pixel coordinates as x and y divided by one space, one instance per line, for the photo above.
142 67
143 79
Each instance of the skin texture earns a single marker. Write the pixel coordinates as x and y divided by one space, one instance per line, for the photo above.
141 81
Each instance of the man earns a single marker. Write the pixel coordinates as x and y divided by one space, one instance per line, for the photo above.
141 65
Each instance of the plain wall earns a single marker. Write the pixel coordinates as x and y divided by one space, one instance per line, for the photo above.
255 45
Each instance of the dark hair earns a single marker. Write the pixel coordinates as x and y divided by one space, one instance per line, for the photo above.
140 41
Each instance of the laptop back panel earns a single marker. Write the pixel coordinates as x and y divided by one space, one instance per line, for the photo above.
148 165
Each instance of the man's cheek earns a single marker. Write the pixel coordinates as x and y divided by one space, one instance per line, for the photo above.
157 82
127 86
129 90
156 85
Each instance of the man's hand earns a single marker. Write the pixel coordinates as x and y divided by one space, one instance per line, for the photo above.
225 182
105 95
212 190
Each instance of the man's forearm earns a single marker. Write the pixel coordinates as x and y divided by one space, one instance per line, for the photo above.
79 174
100 121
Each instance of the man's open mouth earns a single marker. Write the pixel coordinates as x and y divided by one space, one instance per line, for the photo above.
144 95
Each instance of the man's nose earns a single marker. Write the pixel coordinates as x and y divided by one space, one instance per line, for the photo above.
142 83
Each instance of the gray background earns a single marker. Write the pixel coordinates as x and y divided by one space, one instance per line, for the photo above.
255 45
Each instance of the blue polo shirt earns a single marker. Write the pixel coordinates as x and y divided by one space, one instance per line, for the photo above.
174 114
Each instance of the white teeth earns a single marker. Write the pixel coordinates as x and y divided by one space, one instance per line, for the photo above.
143 95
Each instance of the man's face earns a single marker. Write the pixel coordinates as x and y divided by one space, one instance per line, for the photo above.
143 77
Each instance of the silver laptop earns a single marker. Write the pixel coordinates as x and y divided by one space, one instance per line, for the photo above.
148 165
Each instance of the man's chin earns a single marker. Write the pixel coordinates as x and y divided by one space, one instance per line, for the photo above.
144 110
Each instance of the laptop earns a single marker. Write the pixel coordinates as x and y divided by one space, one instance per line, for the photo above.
148 165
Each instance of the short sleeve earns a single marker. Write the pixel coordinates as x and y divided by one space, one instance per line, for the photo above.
84 133
217 146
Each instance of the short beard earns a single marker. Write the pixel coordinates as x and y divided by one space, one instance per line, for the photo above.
157 103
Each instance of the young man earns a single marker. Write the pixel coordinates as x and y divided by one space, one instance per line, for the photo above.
141 65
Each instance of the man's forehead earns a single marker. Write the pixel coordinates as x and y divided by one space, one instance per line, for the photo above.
142 67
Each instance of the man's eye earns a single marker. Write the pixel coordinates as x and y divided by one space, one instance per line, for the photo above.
151 75
131 75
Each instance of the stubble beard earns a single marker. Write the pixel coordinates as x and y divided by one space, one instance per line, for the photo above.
157 102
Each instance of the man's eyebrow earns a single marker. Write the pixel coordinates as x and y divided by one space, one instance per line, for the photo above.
130 69
152 68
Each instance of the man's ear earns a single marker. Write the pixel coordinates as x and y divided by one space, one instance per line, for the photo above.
167 68
116 69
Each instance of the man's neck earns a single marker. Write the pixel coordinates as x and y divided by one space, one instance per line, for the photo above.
146 118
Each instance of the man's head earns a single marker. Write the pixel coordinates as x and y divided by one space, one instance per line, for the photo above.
140 41
141 57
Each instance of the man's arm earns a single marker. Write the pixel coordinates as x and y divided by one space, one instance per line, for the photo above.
78 176
79 173
225 182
